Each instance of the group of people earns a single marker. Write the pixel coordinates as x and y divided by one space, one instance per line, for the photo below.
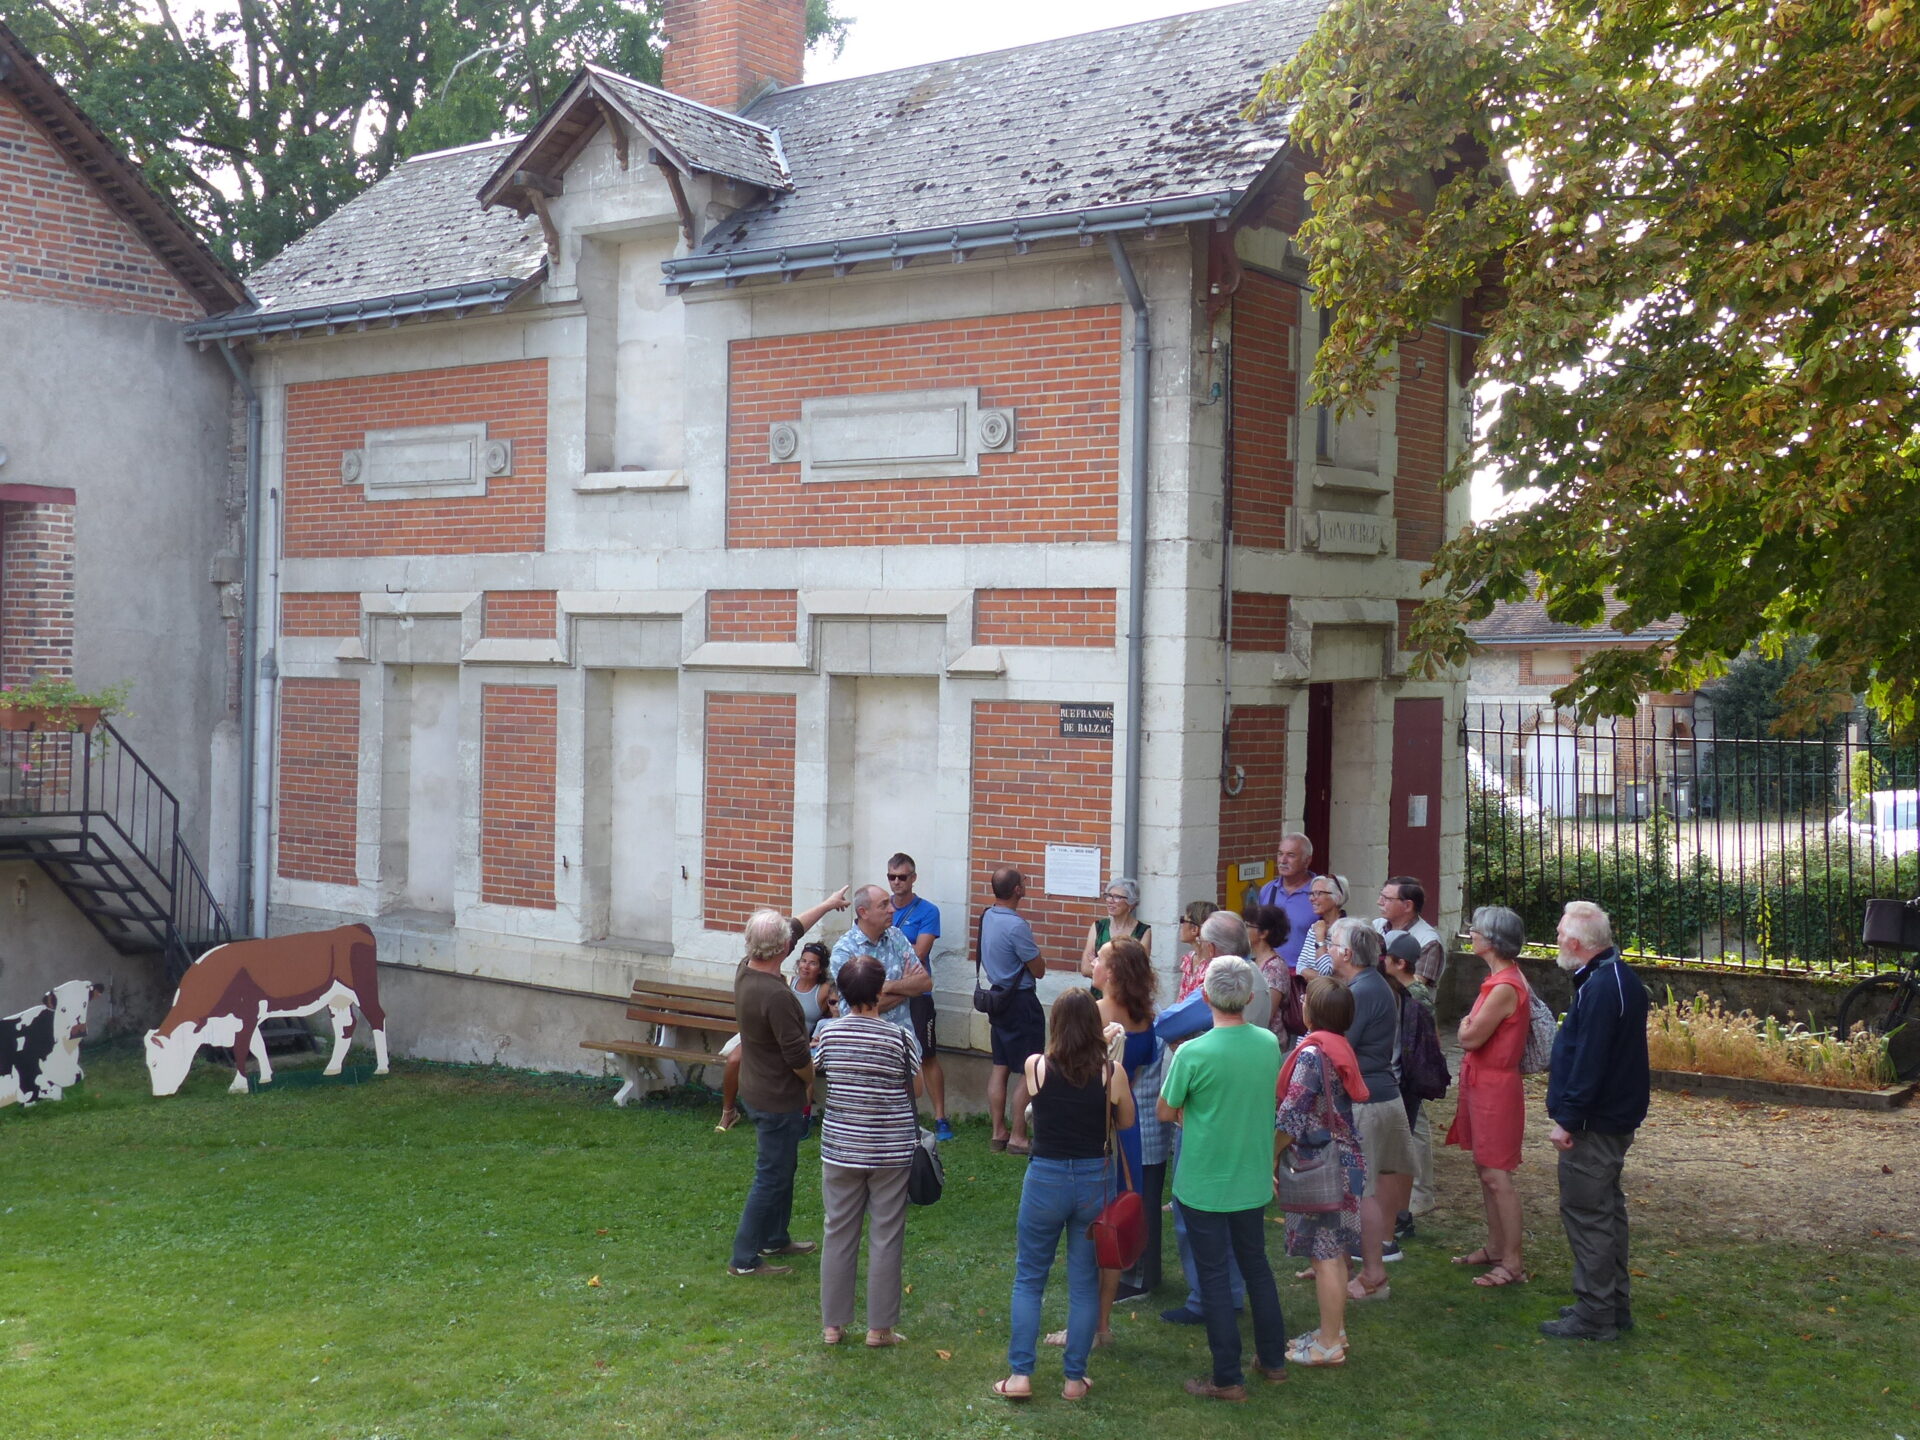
1299 1038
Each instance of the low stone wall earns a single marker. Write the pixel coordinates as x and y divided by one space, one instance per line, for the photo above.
1787 997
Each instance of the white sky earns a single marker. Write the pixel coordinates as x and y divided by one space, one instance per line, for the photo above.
888 34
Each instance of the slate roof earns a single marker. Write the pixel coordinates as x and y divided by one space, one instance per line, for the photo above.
1127 117
705 138
1137 113
420 228
1515 622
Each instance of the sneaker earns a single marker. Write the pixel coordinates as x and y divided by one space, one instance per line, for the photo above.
760 1270
942 1131
1389 1253
1572 1327
1403 1227
798 1247
1128 1292
1181 1315
1621 1322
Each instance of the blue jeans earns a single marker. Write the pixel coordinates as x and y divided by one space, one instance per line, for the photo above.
1185 1247
1220 1235
769 1207
1057 1195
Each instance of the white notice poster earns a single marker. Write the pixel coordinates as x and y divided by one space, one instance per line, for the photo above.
1073 870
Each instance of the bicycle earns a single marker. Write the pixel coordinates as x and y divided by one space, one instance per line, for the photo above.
1889 1003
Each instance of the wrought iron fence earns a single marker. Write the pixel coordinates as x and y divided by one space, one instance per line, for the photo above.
1754 852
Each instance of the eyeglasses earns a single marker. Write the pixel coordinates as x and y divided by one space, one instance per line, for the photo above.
1113 895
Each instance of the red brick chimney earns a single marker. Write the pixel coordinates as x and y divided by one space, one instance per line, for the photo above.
724 52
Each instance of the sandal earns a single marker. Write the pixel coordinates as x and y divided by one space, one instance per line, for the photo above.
1015 1147
881 1339
1307 1350
1366 1292
832 1334
1086 1389
1306 1274
1477 1257
997 1143
728 1119
1000 1389
1501 1274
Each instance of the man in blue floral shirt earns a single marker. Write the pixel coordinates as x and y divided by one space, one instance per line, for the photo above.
875 934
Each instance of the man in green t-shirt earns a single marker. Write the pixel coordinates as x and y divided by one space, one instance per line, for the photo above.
1220 1091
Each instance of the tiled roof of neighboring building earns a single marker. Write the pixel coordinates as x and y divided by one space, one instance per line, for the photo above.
1516 622
705 138
1139 113
419 229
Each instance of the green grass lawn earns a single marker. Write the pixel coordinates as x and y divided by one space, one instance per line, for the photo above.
412 1257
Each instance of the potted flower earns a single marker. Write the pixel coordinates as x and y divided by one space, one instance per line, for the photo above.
44 704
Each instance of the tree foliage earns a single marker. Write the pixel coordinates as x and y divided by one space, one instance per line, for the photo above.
1686 234
262 120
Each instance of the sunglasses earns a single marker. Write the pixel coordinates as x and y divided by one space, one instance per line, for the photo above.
901 879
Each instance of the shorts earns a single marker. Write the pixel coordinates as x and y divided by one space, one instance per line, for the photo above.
920 1009
1021 1032
1385 1139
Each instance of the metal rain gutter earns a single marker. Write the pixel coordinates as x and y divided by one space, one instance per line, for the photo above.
353 313
954 241
1136 558
249 641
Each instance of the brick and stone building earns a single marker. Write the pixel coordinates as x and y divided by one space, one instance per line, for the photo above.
689 503
119 510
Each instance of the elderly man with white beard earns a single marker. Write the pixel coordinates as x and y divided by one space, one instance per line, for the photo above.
1597 1095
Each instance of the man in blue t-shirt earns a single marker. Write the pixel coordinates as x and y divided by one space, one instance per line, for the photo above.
1292 891
1010 957
918 919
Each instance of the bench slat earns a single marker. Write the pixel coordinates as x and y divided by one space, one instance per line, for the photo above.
663 1052
654 1000
690 1022
684 992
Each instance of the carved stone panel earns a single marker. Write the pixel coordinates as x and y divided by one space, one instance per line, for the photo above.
426 462
908 434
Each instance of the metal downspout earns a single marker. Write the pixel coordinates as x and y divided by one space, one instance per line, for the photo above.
1136 559
249 643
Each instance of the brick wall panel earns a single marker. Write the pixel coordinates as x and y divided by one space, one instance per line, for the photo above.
1060 369
1259 621
1060 618
747 861
36 592
1266 313
320 614
1419 504
519 727
753 616
324 418
521 614
1033 788
61 242
1252 821
319 779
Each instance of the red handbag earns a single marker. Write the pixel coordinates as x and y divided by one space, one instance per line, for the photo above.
1119 1231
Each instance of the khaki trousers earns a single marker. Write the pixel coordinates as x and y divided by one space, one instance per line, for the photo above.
880 1198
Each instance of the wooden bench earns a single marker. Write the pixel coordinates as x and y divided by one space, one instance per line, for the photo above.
669 1010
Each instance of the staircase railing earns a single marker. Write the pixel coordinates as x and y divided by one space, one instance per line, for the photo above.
99 781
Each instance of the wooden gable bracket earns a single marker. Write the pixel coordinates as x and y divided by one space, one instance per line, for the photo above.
538 189
616 131
680 203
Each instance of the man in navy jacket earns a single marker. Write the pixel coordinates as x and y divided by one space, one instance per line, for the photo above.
1597 1096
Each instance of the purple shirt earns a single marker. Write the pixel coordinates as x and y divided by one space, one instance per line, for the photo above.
1300 917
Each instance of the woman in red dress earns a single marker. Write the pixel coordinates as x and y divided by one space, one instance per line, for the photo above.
1491 1117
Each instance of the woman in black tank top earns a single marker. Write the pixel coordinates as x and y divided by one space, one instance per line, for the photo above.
1073 1086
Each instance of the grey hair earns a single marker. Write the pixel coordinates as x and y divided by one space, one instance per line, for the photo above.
769 935
867 896
1588 924
1503 929
1228 984
1132 889
1306 841
1357 937
1339 883
1226 932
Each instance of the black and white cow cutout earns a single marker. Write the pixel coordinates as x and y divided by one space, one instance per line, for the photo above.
40 1047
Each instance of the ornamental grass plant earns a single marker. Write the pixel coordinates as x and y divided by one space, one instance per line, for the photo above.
1705 1037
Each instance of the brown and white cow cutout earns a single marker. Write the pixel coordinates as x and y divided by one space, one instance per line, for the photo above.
228 991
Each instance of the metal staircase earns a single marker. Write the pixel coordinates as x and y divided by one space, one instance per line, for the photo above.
92 814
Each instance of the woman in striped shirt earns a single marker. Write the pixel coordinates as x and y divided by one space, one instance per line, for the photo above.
866 1152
